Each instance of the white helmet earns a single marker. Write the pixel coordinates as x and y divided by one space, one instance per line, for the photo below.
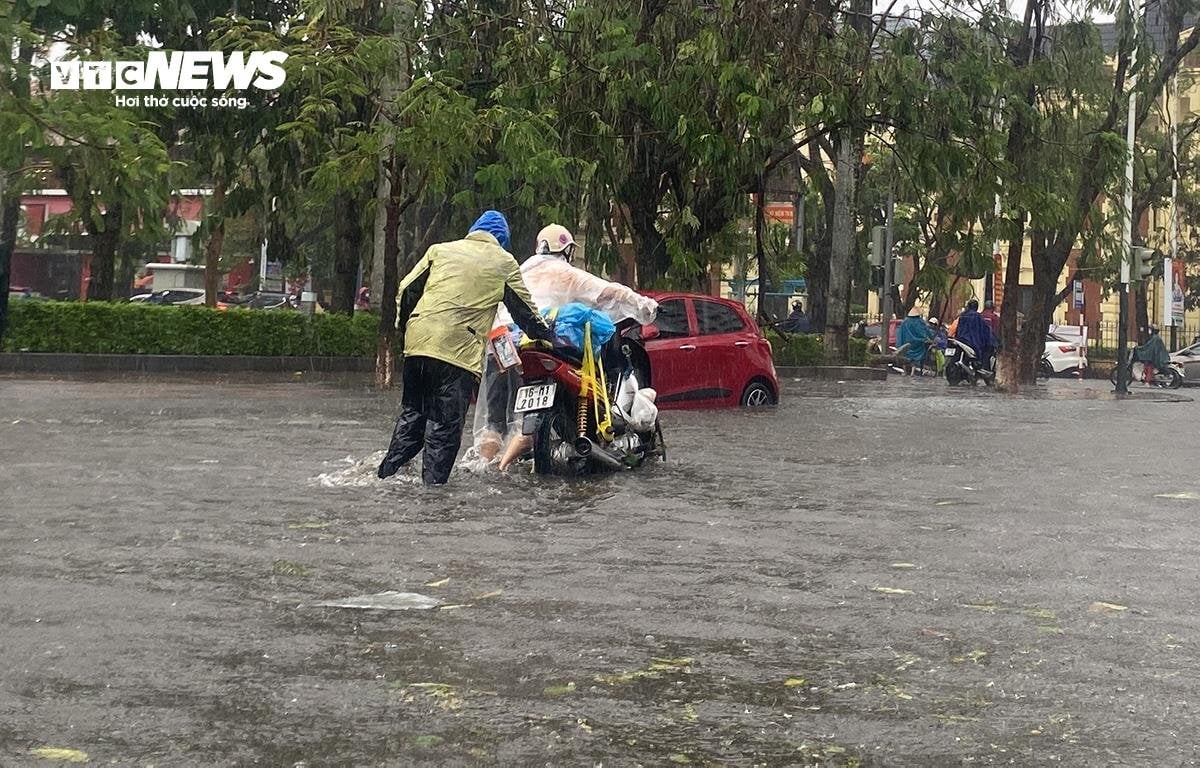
555 239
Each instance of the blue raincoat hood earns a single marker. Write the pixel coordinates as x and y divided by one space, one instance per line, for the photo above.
494 223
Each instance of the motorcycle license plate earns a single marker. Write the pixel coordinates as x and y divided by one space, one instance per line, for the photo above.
535 397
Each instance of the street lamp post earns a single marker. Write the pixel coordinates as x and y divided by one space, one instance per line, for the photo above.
1127 228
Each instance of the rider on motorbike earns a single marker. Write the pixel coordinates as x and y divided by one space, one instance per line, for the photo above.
915 337
553 282
973 330
1153 355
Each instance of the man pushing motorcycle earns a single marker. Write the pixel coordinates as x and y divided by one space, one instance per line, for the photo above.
445 307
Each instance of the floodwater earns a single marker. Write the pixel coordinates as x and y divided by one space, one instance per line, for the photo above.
872 574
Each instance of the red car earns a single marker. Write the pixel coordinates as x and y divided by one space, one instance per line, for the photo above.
707 352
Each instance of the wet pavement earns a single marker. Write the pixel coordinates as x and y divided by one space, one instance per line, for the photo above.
870 574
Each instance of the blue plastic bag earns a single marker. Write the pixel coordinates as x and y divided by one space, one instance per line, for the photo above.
571 319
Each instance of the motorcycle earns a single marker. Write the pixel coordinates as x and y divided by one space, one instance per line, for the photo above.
927 367
964 364
581 422
1170 377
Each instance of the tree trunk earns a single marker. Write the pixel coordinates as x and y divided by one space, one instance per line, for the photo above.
212 249
384 302
104 254
10 211
837 307
760 253
347 250
1008 367
1037 322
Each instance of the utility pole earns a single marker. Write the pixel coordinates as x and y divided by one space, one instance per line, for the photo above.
1168 276
1127 228
885 297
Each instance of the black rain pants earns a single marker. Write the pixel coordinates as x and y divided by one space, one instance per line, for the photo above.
434 405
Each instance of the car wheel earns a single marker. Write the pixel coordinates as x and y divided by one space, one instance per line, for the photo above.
1045 369
757 395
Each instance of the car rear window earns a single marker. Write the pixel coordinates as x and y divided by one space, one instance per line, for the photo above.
672 318
717 318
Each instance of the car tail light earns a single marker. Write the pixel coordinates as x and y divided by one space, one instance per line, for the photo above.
548 364
1066 349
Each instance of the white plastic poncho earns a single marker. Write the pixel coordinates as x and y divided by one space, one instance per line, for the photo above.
552 282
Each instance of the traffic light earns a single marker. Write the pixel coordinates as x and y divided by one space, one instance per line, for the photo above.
1141 263
878 245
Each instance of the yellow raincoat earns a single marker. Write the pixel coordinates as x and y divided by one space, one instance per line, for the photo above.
447 304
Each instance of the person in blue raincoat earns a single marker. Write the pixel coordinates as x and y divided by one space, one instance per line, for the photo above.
972 329
914 336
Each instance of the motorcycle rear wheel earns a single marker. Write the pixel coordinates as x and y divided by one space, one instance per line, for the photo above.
552 451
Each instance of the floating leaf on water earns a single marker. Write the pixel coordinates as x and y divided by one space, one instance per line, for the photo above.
455 607
493 593
942 503
792 682
559 690
680 758
1099 607
62 754
845 686
891 591
385 601
439 582
661 663
985 607
689 713
288 568
583 724
903 566
977 655
1182 495
427 741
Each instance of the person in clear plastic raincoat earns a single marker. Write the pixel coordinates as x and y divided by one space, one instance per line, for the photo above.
553 282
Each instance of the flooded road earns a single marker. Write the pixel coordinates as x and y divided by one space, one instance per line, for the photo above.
871 574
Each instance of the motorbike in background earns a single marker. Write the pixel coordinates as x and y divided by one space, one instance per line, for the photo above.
1170 377
963 364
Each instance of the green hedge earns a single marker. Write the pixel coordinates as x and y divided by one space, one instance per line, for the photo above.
116 328
808 349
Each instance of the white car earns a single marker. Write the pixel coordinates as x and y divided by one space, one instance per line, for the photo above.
1063 355
1189 358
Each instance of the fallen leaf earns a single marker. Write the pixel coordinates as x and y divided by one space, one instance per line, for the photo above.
903 566
1099 607
493 593
62 754
792 682
427 741
439 582
559 690
891 590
